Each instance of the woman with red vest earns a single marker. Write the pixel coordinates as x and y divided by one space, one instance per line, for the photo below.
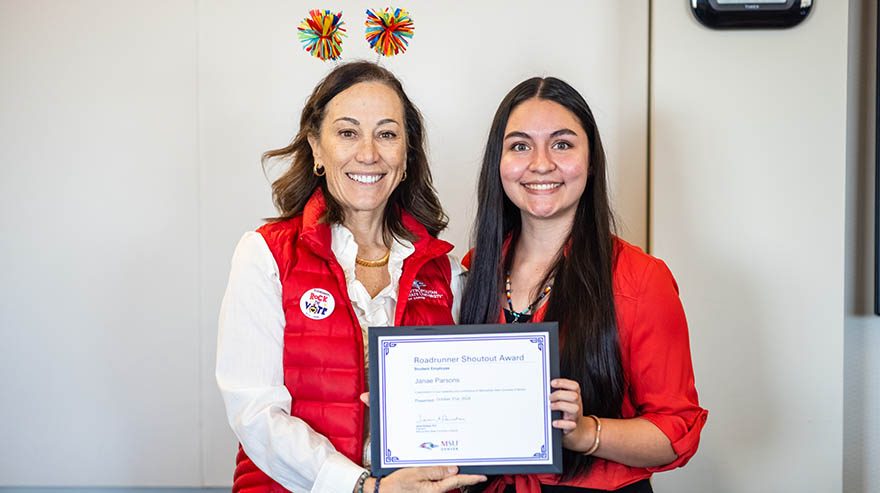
358 227
546 250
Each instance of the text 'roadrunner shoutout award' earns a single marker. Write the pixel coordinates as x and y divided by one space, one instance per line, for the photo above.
474 396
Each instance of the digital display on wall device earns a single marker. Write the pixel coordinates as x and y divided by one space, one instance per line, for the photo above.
750 2
751 14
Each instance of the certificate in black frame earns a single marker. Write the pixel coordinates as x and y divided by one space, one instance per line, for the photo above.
745 14
552 331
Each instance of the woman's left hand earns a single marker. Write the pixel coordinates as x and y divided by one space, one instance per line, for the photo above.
577 430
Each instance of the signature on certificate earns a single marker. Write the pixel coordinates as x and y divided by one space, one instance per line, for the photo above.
441 418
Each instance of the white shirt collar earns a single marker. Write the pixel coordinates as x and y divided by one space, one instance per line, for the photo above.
345 249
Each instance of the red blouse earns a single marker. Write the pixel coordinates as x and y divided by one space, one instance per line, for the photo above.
657 365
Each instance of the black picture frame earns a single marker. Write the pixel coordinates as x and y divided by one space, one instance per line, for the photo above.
751 15
552 331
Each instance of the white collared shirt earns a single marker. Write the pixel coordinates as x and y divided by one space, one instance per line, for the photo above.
249 354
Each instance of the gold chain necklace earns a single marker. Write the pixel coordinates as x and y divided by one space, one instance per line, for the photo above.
373 263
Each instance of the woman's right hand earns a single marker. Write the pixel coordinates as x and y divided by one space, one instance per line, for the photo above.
428 479
415 479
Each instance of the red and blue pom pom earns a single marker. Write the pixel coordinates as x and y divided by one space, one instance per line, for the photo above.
389 31
321 34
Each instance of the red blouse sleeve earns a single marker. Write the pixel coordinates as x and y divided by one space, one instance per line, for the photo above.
661 375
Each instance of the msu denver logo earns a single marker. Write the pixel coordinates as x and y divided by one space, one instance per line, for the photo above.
420 291
445 445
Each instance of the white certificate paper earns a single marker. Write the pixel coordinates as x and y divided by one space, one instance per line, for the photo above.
473 396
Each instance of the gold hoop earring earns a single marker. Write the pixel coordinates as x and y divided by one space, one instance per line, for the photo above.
318 170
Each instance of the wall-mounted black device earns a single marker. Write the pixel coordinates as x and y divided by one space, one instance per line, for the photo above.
744 14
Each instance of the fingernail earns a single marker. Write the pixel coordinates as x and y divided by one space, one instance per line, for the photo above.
451 470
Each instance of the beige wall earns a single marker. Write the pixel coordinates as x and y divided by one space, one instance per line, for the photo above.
748 153
99 247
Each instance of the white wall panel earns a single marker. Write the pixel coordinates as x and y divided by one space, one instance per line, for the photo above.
99 251
748 146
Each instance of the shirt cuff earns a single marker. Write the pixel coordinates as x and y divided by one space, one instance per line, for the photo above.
337 475
684 436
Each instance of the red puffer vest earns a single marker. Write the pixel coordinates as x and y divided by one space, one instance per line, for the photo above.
323 347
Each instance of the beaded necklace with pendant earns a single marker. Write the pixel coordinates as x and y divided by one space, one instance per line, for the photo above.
528 311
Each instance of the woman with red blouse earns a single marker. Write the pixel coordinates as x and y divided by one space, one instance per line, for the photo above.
546 251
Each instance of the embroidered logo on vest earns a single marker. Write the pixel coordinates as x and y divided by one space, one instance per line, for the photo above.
420 292
317 304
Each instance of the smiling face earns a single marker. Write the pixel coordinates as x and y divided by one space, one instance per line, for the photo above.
544 161
362 146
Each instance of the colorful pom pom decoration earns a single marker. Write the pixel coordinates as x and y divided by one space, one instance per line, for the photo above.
389 32
321 34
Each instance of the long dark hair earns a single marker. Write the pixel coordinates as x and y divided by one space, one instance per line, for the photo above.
582 300
415 195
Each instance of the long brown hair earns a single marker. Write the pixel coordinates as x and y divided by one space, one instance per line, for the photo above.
415 195
583 299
